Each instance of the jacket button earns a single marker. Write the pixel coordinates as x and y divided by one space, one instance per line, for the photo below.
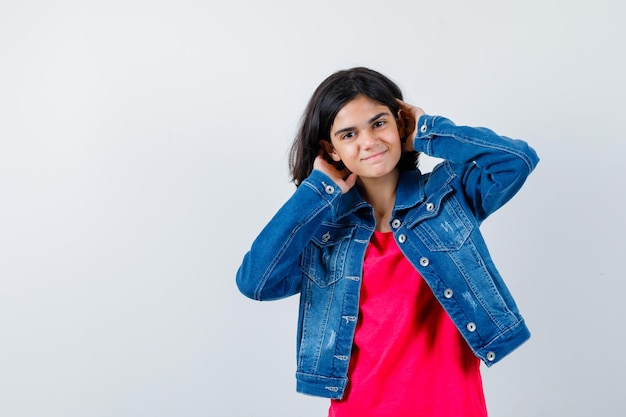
329 189
396 223
471 327
424 261
491 356
326 237
402 238
448 293
430 207
423 128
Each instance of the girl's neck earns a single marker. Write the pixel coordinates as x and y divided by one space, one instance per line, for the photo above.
380 193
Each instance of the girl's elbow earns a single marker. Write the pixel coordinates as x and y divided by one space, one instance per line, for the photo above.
530 158
245 284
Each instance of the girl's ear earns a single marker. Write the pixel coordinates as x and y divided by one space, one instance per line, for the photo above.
401 121
330 150
406 123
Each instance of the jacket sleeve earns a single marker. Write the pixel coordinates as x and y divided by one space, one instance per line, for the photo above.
492 167
271 268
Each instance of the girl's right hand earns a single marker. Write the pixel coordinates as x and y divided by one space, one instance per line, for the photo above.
343 178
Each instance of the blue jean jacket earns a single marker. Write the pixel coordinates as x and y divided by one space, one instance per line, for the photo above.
316 243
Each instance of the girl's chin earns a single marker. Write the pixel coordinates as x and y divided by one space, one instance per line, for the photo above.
376 173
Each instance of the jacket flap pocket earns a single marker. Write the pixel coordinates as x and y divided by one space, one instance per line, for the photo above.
430 207
323 260
446 226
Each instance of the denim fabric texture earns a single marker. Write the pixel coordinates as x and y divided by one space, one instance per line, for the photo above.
315 246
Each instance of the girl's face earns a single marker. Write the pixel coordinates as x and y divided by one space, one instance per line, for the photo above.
364 136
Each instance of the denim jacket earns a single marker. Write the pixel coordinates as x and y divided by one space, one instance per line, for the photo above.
315 245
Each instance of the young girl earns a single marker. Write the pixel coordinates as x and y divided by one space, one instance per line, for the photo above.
399 297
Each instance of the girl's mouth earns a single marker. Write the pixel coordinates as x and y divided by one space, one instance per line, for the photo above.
373 157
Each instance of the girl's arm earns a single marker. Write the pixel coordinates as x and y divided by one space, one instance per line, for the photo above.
271 268
493 167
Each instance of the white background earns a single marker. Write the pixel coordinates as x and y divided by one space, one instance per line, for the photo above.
143 146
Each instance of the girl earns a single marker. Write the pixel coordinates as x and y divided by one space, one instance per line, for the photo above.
399 298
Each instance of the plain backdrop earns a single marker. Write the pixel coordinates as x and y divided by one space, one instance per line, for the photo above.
143 146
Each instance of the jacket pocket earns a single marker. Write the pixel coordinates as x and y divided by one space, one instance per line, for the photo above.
444 226
324 258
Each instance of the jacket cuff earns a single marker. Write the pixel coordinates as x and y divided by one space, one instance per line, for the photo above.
323 185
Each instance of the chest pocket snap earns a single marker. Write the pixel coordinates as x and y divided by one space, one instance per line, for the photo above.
324 258
444 226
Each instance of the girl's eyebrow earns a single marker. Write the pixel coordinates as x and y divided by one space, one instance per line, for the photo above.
370 121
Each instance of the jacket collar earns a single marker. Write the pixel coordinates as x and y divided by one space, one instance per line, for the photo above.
409 193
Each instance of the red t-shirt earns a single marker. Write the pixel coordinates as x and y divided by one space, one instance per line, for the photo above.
408 358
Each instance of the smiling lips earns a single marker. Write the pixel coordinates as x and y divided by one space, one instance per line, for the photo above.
373 156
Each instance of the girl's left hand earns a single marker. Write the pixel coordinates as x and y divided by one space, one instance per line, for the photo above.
409 116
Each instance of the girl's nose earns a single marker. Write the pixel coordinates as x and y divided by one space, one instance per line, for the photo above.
368 138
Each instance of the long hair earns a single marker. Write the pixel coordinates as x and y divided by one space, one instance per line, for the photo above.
329 97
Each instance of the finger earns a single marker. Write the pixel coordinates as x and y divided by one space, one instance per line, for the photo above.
350 181
405 106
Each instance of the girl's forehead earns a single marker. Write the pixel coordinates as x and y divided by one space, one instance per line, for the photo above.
359 107
363 99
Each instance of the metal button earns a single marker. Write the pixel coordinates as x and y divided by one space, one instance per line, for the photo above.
448 293
491 356
424 261
423 128
396 223
402 238
471 326
329 189
326 237
430 207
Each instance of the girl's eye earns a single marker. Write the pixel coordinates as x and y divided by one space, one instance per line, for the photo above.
379 123
348 135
